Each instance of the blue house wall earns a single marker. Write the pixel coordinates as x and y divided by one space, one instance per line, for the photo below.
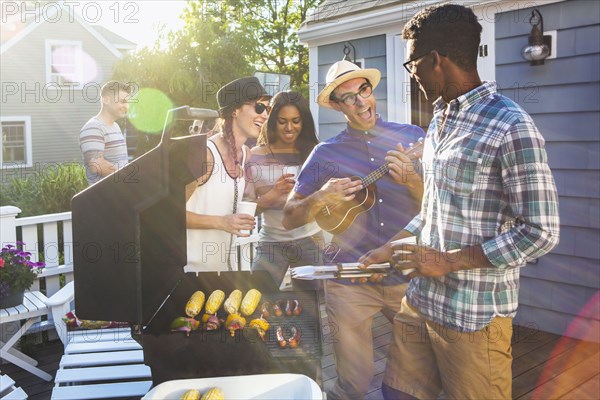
560 294
372 50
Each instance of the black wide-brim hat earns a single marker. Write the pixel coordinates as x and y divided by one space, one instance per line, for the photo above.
240 91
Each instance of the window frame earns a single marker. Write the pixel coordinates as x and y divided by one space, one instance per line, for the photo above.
28 143
50 43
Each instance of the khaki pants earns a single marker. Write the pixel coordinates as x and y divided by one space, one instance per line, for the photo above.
350 310
426 358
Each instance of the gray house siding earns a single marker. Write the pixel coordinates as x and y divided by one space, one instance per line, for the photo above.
560 293
56 116
372 50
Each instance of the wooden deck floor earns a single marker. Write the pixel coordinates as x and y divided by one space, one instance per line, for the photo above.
545 366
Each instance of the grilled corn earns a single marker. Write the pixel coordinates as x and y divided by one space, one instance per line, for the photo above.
214 301
191 394
250 302
213 394
194 304
232 304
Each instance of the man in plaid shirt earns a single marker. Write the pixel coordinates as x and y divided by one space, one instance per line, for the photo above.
490 206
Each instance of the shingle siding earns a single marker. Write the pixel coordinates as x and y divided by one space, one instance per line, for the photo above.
563 97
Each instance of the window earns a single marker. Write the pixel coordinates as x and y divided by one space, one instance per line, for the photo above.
63 62
16 142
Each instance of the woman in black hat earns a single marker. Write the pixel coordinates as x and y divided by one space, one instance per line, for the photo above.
212 220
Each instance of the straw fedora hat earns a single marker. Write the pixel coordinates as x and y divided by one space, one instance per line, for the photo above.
341 72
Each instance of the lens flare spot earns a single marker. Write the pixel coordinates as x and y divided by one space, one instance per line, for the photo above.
148 110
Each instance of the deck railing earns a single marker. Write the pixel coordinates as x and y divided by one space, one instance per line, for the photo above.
48 238
53 235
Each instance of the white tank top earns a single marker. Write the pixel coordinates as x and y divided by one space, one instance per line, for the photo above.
210 249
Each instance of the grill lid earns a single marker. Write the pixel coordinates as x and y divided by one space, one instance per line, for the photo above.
129 229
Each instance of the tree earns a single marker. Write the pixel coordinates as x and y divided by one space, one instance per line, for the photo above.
221 41
268 29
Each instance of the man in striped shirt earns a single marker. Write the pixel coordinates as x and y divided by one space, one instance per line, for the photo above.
490 206
102 143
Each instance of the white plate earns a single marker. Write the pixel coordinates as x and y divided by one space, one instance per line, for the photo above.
267 386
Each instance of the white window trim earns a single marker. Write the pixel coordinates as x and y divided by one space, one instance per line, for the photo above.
49 44
28 143
360 62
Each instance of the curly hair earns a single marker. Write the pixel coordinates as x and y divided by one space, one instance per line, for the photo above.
308 136
451 29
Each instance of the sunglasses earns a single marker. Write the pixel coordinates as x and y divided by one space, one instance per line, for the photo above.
260 108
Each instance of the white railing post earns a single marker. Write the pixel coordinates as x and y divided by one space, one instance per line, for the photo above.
8 235
8 226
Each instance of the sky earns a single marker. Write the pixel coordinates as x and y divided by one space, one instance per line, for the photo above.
137 21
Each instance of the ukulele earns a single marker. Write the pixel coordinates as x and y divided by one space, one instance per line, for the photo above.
336 218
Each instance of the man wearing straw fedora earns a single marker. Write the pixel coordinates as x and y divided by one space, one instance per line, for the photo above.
366 143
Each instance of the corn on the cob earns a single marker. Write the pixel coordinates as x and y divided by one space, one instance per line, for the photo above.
214 301
250 302
232 304
191 394
194 304
213 394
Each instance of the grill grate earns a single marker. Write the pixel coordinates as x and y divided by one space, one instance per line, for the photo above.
307 322
172 355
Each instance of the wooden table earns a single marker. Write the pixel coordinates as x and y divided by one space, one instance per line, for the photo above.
34 306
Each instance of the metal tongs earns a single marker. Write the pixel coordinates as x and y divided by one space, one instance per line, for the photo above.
338 271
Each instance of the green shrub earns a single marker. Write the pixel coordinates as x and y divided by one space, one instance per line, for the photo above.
45 192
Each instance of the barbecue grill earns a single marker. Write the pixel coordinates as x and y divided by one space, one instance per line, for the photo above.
129 232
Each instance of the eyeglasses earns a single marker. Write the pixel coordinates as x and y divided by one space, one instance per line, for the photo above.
260 108
349 99
410 64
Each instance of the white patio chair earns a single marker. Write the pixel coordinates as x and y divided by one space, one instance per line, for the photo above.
30 310
99 363
8 390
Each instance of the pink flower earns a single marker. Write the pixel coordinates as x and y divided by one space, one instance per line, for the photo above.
1 262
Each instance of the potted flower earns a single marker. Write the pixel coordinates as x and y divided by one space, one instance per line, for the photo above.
17 273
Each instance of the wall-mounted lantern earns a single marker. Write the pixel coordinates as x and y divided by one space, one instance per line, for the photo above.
540 46
349 47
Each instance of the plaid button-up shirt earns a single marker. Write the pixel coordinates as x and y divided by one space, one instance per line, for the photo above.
487 182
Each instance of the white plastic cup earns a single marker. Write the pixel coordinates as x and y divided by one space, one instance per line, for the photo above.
246 207
407 240
291 169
